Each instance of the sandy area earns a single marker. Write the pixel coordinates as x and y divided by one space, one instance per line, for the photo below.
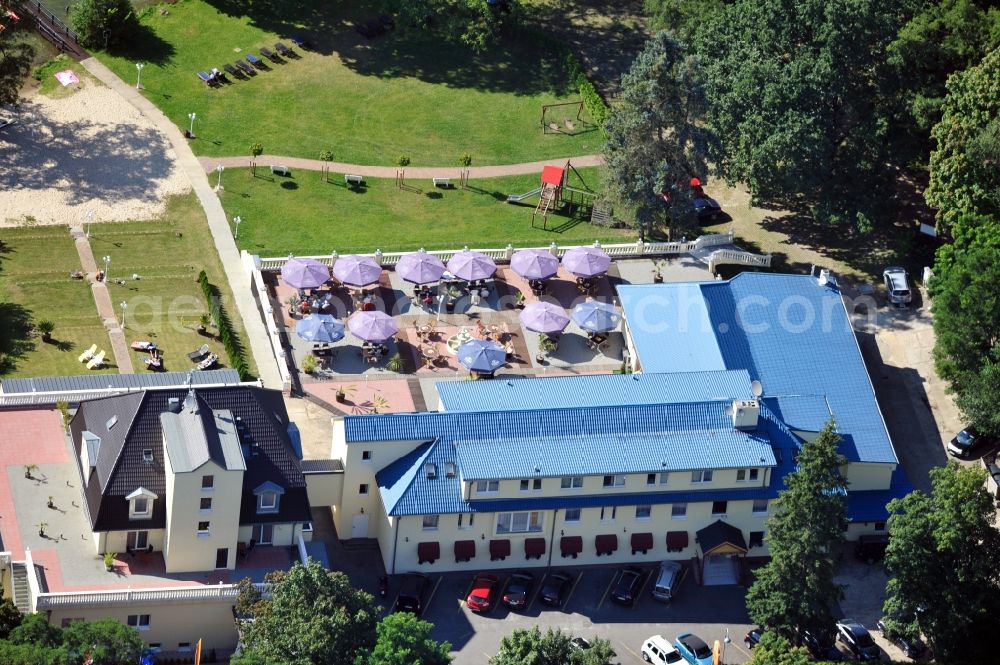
90 150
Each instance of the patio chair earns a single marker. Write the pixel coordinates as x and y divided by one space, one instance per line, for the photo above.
88 354
96 361
245 68
283 50
195 356
207 78
255 61
269 54
232 71
208 362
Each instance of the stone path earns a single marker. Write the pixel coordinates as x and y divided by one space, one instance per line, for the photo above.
419 172
105 306
239 280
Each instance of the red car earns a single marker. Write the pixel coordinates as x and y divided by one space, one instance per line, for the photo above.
484 591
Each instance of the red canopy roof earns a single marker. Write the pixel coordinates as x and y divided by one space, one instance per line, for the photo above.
553 175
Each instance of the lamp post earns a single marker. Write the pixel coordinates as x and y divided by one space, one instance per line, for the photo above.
138 74
191 117
237 220
124 306
88 218
725 641
219 169
107 262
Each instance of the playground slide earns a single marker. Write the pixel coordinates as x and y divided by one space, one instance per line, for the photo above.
515 198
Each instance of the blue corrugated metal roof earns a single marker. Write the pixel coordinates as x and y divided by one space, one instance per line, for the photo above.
105 381
869 505
808 413
406 490
594 390
787 331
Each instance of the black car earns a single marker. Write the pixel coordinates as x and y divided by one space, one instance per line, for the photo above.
752 638
555 589
628 585
821 645
518 590
970 443
912 648
706 208
857 640
413 593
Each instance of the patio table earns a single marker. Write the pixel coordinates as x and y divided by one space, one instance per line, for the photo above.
458 340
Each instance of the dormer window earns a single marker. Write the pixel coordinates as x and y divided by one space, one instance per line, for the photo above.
268 497
140 504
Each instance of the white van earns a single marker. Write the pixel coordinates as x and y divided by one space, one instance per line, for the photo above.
667 579
659 651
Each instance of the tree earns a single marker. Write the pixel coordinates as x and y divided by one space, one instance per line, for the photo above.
16 54
10 617
684 18
36 631
797 104
944 557
527 646
326 156
967 319
476 23
965 166
403 639
312 617
773 649
103 23
256 150
109 642
656 137
795 590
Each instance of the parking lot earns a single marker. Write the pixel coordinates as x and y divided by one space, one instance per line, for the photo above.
587 612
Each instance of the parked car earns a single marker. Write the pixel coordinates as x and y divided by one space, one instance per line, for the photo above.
413 593
555 589
519 590
659 651
969 442
629 583
580 643
706 208
871 547
897 285
668 577
821 645
752 638
857 640
912 648
483 593
693 649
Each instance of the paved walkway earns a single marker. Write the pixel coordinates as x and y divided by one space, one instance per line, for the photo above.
105 307
239 281
419 172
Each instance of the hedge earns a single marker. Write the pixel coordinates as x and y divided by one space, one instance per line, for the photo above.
234 349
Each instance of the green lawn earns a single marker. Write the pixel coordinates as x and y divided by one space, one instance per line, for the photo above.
304 215
35 263
367 101
166 303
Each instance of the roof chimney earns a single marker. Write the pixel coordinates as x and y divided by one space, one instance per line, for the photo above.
745 413
174 405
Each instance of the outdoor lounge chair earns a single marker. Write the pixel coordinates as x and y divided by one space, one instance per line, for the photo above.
208 362
195 356
245 68
232 71
96 361
301 43
283 50
88 354
255 61
207 78
269 54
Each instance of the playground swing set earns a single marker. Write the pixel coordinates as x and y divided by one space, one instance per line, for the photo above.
552 112
554 193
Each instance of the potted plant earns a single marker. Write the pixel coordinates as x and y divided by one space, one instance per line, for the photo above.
395 364
309 364
519 300
109 561
658 270
343 391
41 529
546 343
293 305
30 469
379 404
203 322
46 328
50 504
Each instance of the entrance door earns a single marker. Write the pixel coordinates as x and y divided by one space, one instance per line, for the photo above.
263 534
137 540
359 526
222 557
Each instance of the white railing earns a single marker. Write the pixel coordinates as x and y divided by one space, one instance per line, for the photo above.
503 255
74 396
303 555
253 266
736 257
123 597
33 589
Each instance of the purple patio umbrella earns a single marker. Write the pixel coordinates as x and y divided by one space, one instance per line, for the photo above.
420 268
355 270
586 261
320 328
534 263
372 326
469 265
595 316
544 317
304 273
482 356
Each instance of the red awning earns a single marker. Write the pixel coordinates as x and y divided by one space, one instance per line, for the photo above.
553 175
428 552
642 542
606 544
499 549
676 540
571 545
534 547
464 550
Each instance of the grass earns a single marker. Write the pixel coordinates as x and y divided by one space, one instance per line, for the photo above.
407 92
49 86
304 215
166 303
35 263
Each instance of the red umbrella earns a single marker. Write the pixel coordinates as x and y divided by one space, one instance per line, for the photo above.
695 182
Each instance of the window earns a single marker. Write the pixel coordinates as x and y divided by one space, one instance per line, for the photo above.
136 541
760 506
484 486
366 456
267 502
701 476
614 481
430 522
650 478
140 621
203 529
206 504
571 482
140 507
756 539
664 477
524 522
572 515
609 514
533 484
643 512
147 455
679 511
449 469
719 507
184 647
880 526
363 489
207 482
462 525
752 474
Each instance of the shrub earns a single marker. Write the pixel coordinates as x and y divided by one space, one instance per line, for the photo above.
234 349
92 18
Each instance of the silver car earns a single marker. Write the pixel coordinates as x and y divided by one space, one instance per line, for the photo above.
897 285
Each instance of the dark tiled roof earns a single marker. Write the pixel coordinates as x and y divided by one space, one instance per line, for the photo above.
720 533
121 469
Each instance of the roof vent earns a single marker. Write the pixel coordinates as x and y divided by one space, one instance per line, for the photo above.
174 405
826 277
147 455
430 470
449 469
112 421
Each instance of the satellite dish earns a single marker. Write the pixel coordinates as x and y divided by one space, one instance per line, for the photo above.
756 388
